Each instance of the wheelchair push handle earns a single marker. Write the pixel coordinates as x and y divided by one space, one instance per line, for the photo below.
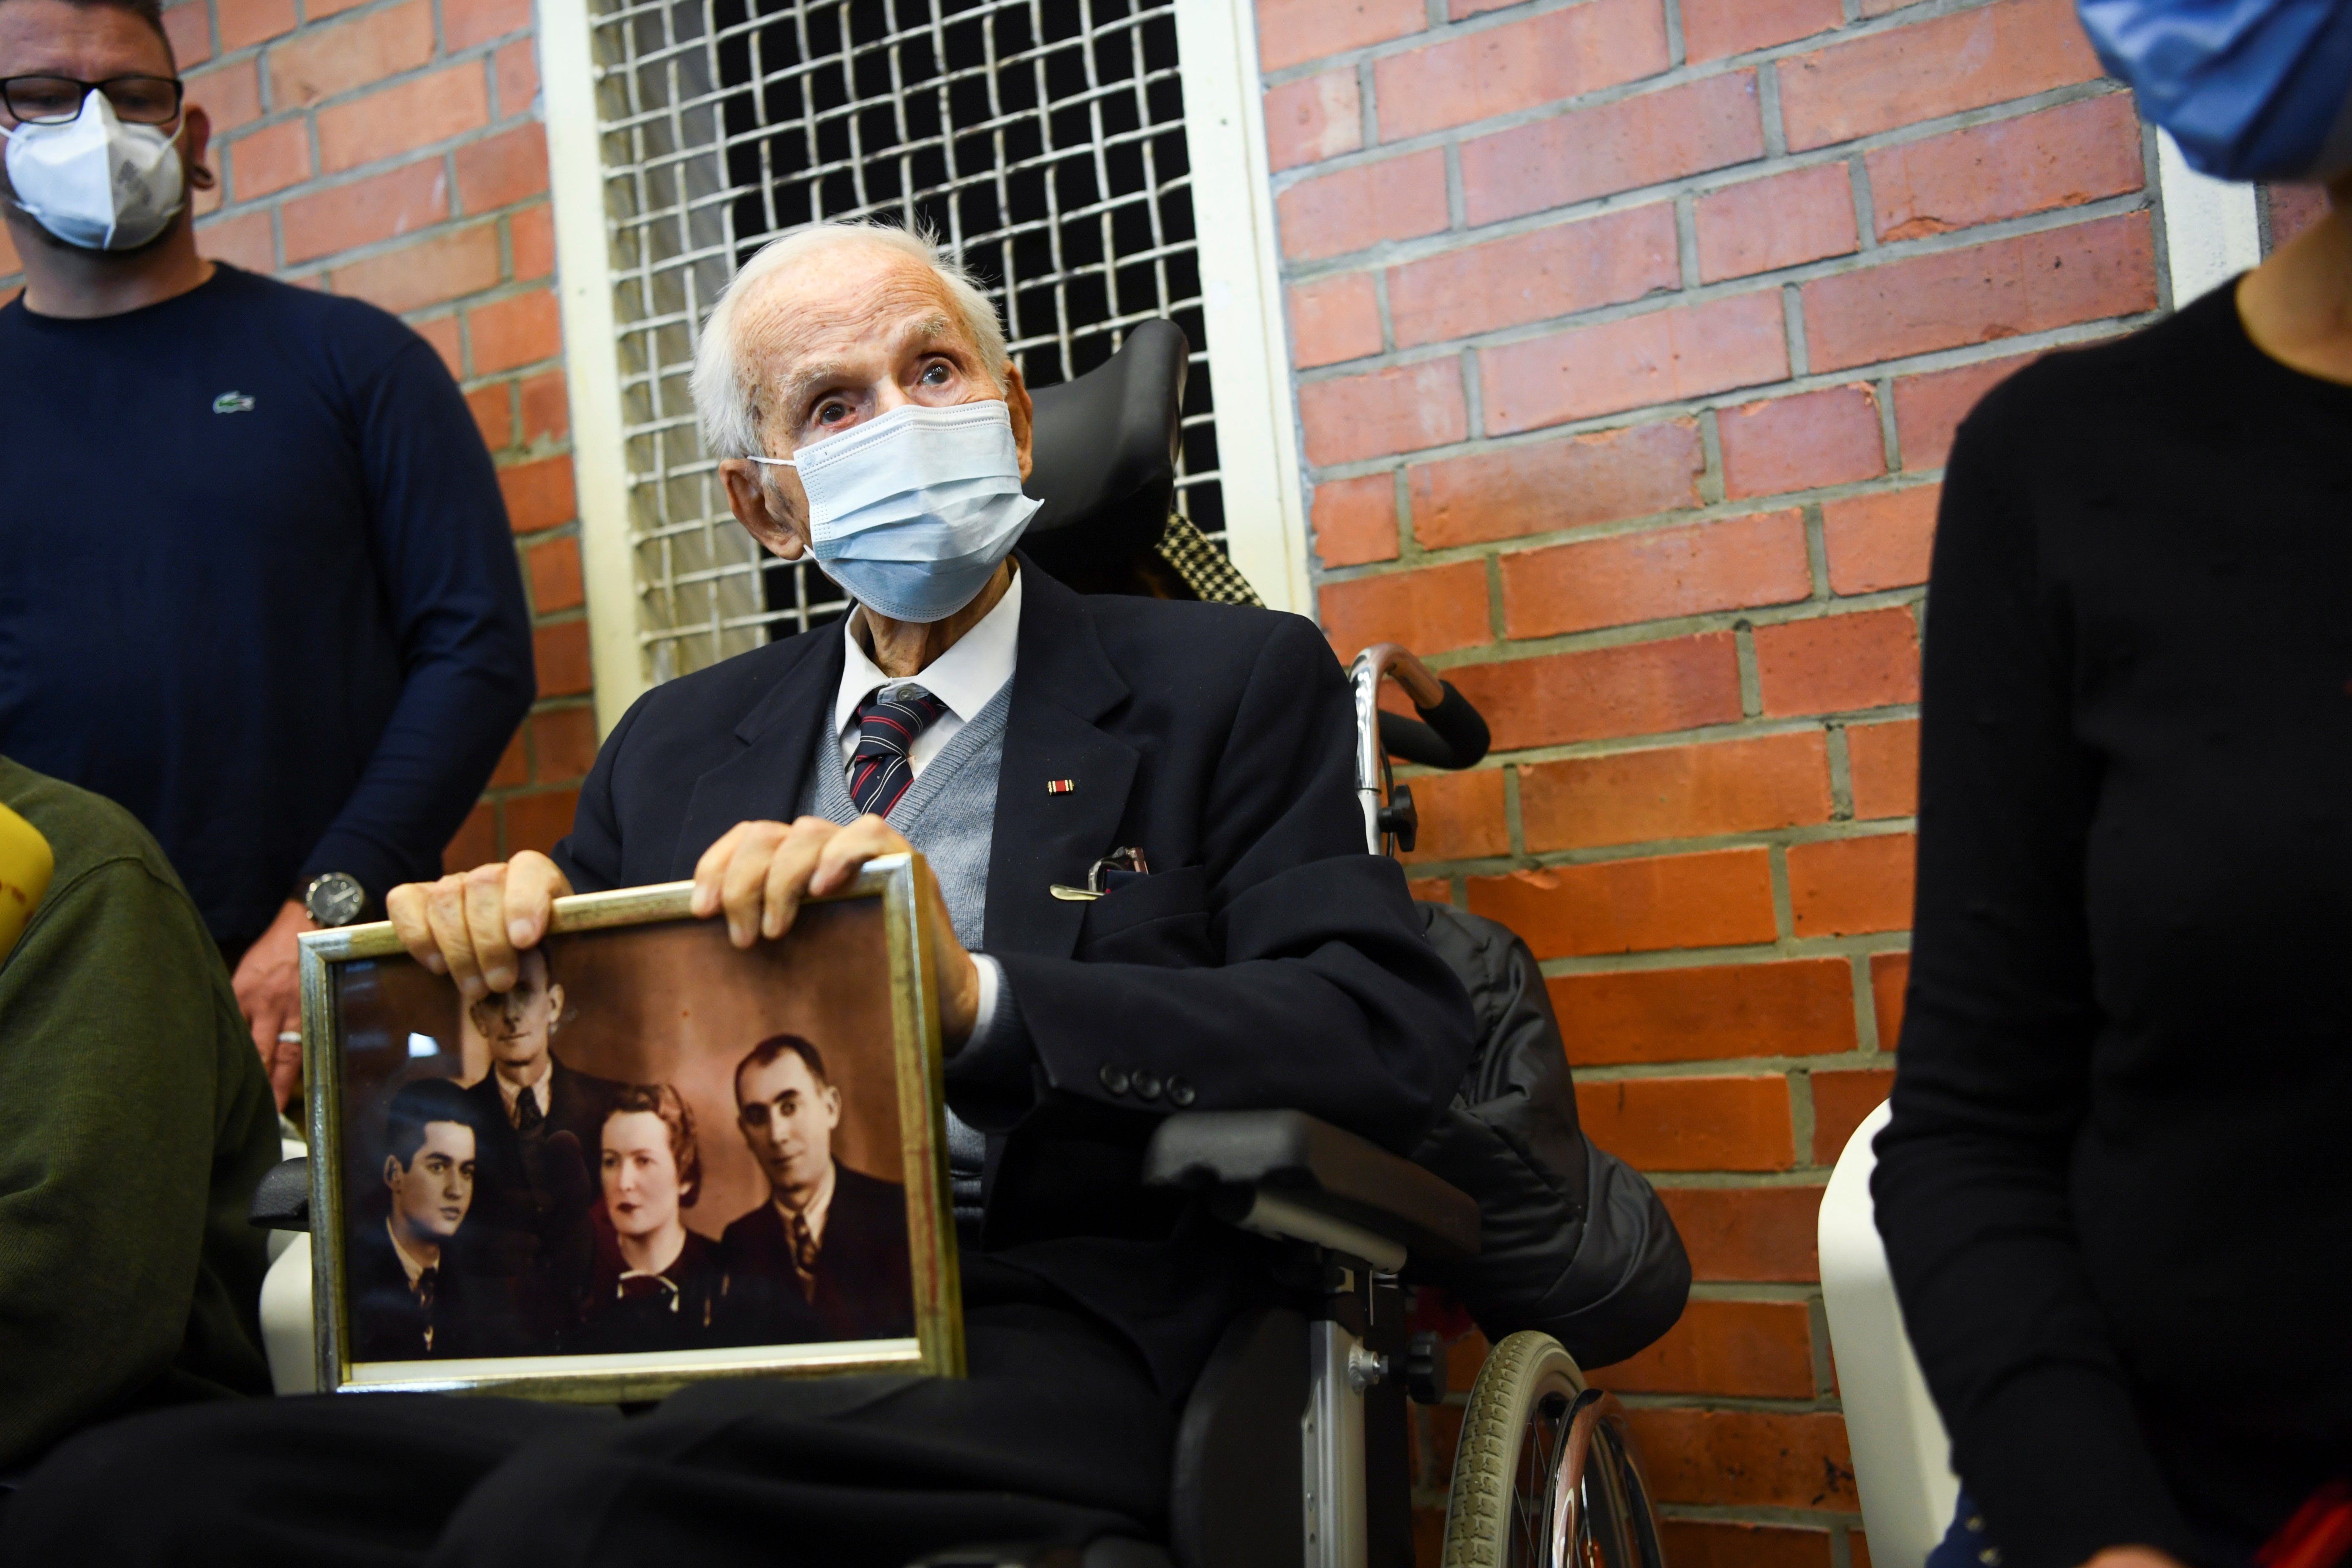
1449 734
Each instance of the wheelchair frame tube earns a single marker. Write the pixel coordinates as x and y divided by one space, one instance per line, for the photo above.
1333 1435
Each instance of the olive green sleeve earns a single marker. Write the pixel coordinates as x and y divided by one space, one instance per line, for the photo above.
130 1123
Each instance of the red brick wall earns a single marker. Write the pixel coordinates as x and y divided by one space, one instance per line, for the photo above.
391 150
1631 336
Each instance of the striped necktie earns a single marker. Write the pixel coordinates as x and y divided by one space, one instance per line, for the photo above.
887 723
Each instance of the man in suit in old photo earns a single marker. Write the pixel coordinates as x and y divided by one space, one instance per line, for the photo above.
541 1122
836 1235
409 1300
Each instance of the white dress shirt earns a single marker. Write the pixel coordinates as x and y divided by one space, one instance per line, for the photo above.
966 678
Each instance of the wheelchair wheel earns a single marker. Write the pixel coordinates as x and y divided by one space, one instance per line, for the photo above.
1543 1477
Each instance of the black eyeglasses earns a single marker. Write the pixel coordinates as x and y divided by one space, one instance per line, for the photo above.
56 99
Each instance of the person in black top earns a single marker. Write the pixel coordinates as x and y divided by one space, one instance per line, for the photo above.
833 1236
256 583
2116 1192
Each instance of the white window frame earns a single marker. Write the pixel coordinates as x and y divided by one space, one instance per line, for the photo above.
1256 416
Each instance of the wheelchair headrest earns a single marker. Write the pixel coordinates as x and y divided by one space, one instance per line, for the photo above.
1104 454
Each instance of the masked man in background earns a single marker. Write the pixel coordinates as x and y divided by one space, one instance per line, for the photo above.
298 653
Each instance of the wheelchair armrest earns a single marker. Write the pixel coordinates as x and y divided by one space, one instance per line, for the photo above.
1286 1174
282 1201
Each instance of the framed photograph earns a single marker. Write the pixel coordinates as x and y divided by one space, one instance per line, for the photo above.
656 1160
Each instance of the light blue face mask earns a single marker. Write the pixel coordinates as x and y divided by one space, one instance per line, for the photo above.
912 511
2252 89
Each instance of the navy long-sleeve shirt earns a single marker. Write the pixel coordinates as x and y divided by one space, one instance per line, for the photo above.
257 585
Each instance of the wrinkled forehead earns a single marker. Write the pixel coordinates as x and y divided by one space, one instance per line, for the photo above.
856 306
90 43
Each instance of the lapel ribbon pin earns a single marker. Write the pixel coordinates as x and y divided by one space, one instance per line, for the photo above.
1061 787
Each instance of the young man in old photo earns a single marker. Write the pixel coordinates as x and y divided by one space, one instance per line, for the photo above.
410 1297
541 1122
836 1235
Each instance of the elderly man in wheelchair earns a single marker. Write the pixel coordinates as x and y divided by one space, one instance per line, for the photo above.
1192 1028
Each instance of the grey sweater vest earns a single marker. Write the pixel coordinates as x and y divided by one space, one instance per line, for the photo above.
949 813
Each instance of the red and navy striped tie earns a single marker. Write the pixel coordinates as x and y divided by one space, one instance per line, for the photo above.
887 723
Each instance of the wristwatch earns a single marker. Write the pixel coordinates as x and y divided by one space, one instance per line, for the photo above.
335 899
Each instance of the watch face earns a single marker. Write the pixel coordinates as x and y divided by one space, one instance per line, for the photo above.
335 898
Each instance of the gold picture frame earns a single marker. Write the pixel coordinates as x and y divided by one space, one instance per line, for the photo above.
936 1347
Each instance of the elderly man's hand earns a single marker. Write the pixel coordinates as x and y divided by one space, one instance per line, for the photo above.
470 926
759 872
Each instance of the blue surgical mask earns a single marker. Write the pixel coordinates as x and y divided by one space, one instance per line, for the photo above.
913 512
2252 89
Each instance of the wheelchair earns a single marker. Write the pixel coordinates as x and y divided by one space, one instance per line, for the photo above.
1292 1449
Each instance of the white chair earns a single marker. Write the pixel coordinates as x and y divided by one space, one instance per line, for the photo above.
286 1303
1902 1456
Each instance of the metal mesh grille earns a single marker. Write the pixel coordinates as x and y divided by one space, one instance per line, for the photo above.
1043 140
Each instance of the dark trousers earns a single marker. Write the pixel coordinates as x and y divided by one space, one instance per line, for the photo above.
1056 1436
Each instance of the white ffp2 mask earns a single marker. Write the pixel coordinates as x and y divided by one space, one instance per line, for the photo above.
93 181
912 511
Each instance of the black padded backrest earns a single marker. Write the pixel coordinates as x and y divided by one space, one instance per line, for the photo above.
1103 454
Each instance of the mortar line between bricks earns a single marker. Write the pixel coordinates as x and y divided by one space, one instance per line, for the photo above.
1732 1181
1776 839
1800 1112
1865 1012
2029 224
1841 775
1866 944
1751 679
1677 45
1760 1514
1714 1067
1617 745
1777 1291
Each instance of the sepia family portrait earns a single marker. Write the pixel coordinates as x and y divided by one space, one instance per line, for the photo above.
652 1143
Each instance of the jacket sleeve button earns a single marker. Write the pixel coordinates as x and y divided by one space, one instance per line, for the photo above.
1180 1093
1146 1085
1113 1078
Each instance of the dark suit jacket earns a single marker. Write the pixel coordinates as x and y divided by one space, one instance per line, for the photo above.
524 1198
1268 961
865 1283
470 1315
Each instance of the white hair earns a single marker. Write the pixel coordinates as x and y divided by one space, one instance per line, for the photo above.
726 401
